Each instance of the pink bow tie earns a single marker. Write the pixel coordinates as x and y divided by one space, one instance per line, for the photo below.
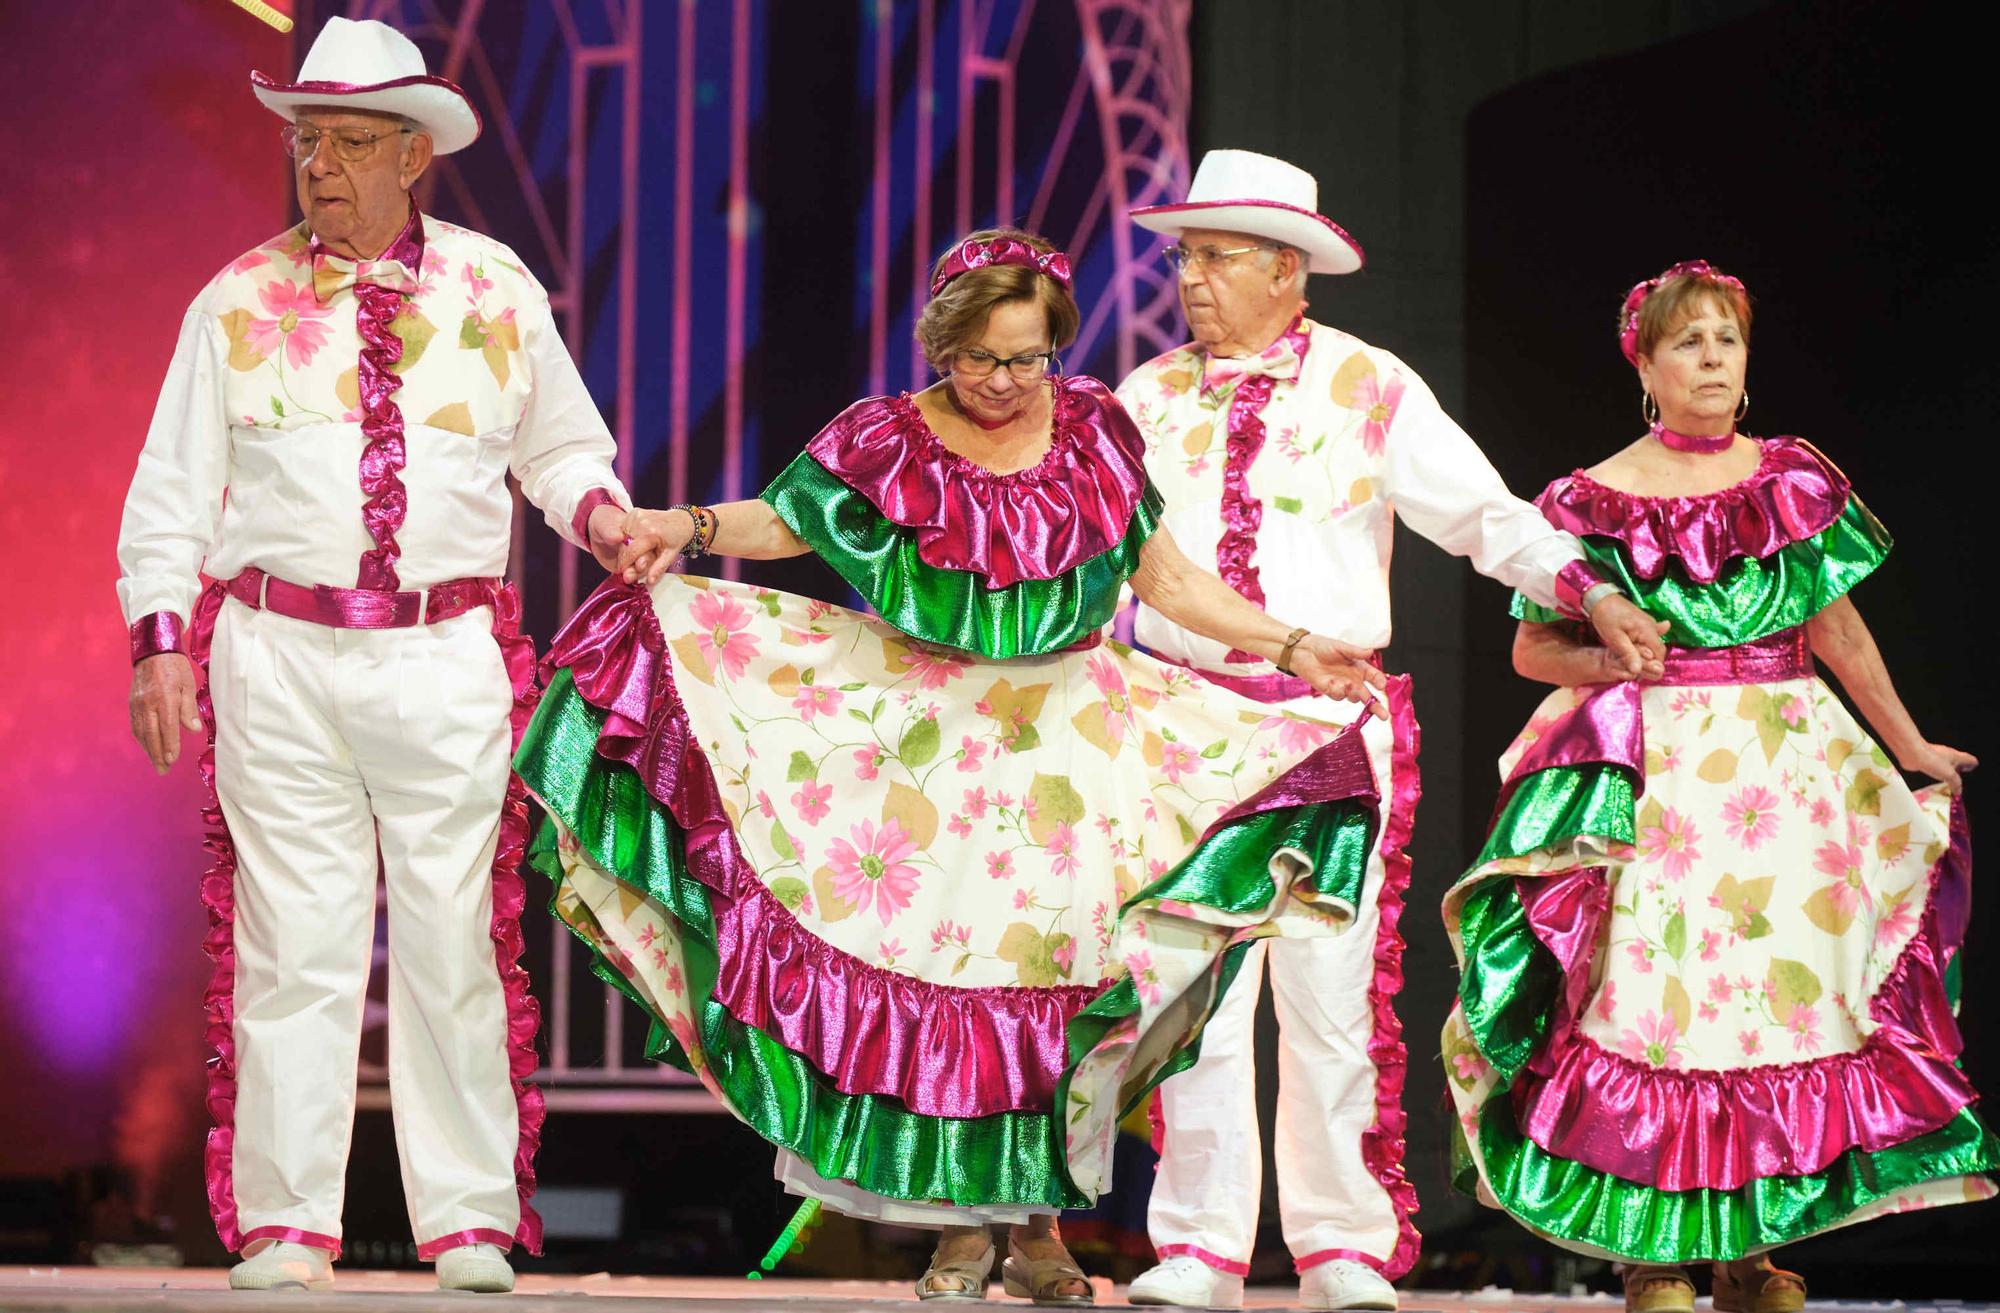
333 273
1280 361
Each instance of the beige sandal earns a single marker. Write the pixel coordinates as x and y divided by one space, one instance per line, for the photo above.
968 1278
1756 1285
1653 1288
1037 1279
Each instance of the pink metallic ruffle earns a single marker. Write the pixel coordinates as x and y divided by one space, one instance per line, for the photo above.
218 895
1035 523
1382 1143
382 460
942 1051
510 899
1794 493
1607 727
1242 512
1719 1129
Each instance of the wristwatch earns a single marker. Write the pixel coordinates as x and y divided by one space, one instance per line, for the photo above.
1597 593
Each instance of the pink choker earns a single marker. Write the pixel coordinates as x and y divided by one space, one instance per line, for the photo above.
1705 443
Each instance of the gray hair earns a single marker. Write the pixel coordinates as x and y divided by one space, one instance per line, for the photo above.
1270 253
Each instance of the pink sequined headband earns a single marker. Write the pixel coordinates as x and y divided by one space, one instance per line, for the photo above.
1628 333
967 256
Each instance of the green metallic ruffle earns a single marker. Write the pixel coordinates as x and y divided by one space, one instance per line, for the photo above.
1638 1222
873 1141
1335 838
1508 990
1508 976
878 557
1751 598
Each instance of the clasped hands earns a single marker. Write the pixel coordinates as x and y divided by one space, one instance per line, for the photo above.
639 546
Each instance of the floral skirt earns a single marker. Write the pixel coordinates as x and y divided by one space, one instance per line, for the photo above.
1710 965
862 885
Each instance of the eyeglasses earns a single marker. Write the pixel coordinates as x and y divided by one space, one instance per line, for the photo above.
1182 259
1025 369
349 145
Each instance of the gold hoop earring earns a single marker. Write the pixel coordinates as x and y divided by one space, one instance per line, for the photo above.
1649 409
1743 406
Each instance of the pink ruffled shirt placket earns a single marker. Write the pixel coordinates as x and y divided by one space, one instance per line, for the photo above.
382 460
1242 510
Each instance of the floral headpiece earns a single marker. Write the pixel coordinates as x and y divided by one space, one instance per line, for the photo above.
1628 332
967 256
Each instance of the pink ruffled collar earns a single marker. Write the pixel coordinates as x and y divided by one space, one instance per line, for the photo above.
1793 494
1035 523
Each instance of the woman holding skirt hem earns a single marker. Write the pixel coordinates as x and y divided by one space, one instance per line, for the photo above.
862 873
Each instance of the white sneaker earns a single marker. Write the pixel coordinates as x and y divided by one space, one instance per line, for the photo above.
479 1268
1184 1281
284 1265
1343 1283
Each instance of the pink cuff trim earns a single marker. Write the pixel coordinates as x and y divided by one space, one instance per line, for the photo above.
158 632
430 1249
291 1233
1319 1256
1572 582
1216 1261
579 524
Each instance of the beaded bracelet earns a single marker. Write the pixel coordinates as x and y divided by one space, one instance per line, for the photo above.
697 545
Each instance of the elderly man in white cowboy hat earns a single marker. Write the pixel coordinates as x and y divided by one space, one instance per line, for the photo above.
1288 448
330 450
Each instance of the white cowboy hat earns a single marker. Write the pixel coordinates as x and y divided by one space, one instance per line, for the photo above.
372 66
1240 191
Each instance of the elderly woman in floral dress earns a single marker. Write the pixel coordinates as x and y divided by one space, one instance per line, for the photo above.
863 872
1710 951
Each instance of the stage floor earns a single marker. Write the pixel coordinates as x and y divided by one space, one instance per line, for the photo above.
170 1290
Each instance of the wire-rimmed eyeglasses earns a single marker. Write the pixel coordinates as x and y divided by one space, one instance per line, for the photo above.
349 145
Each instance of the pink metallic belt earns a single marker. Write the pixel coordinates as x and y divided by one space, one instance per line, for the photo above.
1783 655
360 608
1278 687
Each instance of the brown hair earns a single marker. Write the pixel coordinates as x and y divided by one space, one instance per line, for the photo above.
1680 299
956 316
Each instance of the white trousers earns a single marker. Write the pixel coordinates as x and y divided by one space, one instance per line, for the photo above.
330 745
1332 1200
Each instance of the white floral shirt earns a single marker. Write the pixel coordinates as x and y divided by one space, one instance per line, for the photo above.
253 458
1354 442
